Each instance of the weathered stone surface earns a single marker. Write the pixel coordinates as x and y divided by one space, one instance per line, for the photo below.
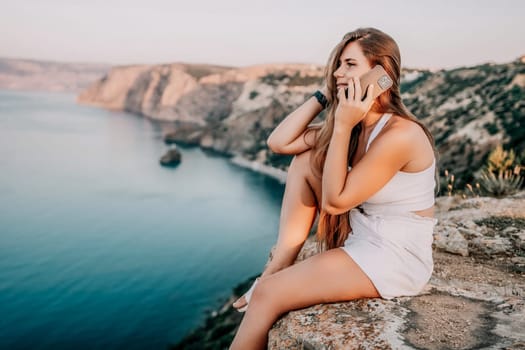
451 240
481 226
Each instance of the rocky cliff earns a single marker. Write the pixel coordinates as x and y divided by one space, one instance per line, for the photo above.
233 110
21 74
475 298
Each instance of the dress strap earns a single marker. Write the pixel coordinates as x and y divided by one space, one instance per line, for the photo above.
384 118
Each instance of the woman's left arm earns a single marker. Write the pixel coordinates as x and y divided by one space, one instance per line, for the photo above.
335 166
343 190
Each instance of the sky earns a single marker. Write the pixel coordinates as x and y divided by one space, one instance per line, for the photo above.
430 34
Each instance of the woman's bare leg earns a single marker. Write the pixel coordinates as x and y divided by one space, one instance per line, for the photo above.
330 276
298 212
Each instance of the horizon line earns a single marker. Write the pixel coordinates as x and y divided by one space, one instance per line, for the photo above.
94 63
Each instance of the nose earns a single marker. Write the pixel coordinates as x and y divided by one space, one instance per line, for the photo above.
338 73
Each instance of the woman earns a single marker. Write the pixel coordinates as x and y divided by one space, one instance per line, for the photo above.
370 171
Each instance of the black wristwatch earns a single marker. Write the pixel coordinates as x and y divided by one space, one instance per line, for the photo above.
321 98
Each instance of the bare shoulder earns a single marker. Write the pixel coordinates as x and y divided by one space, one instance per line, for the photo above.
403 125
399 130
408 131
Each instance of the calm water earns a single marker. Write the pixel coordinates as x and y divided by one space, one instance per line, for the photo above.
100 246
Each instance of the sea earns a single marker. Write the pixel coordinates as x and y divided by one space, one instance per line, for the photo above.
101 247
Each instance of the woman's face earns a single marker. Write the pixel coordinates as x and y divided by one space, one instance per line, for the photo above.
352 63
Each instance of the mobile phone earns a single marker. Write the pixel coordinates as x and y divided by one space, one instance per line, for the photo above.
377 76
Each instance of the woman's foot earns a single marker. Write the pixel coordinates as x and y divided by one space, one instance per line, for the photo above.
241 304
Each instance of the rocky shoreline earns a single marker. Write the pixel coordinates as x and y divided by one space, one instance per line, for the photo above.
474 300
275 173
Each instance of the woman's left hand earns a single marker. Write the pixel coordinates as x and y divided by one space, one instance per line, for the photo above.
351 110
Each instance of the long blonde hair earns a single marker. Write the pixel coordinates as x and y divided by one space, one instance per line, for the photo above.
378 48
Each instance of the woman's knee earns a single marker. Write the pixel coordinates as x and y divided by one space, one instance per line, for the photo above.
301 162
264 294
301 168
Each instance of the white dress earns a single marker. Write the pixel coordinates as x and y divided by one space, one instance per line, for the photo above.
389 242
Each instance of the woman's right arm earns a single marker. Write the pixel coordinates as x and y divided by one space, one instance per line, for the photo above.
289 136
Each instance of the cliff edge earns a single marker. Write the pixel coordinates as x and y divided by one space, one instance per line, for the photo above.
475 298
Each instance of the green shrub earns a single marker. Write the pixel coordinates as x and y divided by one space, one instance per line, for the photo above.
502 175
505 183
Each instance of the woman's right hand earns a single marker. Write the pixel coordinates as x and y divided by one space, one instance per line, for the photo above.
351 109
